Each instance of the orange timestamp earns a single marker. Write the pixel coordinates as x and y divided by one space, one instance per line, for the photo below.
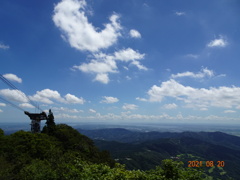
206 163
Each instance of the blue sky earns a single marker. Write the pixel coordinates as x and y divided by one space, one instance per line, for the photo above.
122 61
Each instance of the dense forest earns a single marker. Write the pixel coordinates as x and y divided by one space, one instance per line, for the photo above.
61 152
146 150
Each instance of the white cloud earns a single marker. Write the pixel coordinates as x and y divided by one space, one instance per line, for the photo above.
103 78
170 106
134 33
98 66
1 111
48 96
12 77
128 117
73 99
229 111
220 42
63 109
126 68
179 13
70 17
2 104
130 106
14 95
205 72
203 109
128 78
141 99
194 56
128 55
109 99
3 46
92 111
196 97
26 105
139 66
66 116
103 64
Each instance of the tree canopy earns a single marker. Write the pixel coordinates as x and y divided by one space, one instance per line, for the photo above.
67 154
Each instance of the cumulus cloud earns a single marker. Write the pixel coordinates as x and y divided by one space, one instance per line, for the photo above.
98 66
205 72
3 46
26 105
14 95
109 99
128 55
70 17
103 78
170 106
130 106
12 77
103 64
48 96
196 97
134 33
73 99
220 42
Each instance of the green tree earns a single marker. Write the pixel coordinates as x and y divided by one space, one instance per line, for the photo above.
50 124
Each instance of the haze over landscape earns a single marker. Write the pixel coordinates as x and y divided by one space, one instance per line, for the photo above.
122 62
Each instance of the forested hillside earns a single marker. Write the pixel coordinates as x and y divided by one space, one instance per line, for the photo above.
145 150
61 152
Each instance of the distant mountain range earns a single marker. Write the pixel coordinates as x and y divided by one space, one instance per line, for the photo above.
145 150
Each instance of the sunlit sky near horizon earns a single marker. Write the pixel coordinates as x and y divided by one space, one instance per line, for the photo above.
122 60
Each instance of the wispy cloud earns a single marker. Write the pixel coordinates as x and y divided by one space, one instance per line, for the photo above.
229 111
109 99
3 46
64 109
180 13
92 111
205 72
194 56
2 104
